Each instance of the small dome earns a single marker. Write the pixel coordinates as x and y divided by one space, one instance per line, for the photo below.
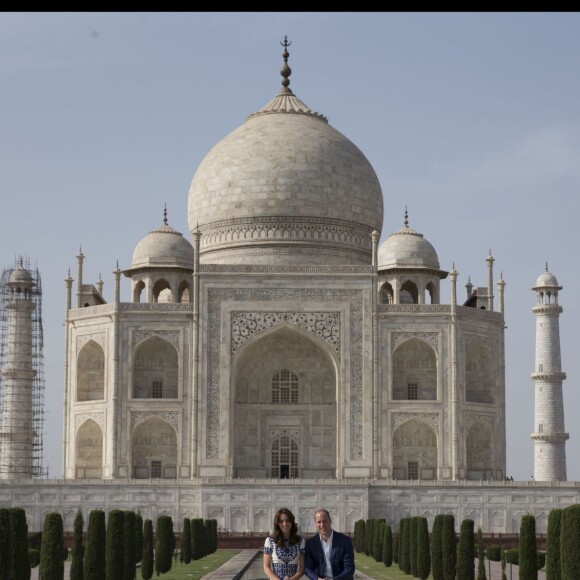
21 276
546 278
163 247
407 248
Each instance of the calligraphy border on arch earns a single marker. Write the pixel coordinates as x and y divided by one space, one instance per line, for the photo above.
398 338
97 417
172 417
99 337
398 419
216 296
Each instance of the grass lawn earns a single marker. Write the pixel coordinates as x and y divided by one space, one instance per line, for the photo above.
195 569
378 570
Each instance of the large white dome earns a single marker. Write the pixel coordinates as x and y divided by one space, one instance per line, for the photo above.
285 187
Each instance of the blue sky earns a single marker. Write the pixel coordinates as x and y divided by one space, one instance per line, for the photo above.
472 120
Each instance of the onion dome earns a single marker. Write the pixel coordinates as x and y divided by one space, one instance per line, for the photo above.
285 187
547 280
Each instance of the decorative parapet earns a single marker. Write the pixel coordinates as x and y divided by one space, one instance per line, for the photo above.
282 269
108 309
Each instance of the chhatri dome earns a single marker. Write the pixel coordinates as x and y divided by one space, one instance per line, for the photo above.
407 248
285 187
547 279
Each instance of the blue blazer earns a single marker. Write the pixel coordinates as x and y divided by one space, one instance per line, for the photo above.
341 557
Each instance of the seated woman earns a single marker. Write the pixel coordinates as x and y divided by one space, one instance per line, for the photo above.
284 549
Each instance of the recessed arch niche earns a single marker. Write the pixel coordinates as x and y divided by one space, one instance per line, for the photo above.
478 374
155 369
89 451
154 450
414 371
260 415
479 452
91 372
414 451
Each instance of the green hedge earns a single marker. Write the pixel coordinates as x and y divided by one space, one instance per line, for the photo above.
129 556
437 548
147 556
466 551
51 551
76 567
19 566
164 544
569 542
94 561
512 556
528 550
387 555
423 555
115 545
553 564
449 543
493 553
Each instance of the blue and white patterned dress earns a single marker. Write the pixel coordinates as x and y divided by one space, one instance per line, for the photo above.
285 560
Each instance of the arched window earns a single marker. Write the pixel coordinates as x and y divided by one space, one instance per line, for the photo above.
285 387
154 450
414 451
162 291
431 291
183 292
386 294
91 373
137 291
409 293
284 458
155 370
414 371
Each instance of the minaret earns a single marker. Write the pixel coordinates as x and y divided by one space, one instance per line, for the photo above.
549 436
17 431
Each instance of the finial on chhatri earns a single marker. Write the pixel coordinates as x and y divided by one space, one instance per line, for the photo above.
406 222
285 71
165 213
546 266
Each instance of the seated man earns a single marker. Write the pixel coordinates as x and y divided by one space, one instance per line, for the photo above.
329 554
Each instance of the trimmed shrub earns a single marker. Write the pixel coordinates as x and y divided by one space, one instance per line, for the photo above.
129 557
115 545
94 561
437 548
466 551
512 556
423 555
528 551
387 546
196 539
76 567
186 541
553 565
378 540
138 538
449 547
413 546
480 556
405 562
369 537
147 556
359 534
493 553
51 562
214 535
19 566
5 548
164 544
569 542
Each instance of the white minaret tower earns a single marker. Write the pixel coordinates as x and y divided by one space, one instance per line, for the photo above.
17 433
549 436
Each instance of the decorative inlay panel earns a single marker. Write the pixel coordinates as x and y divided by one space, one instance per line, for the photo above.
172 417
470 338
171 336
431 338
99 337
98 418
325 325
398 419
471 419
294 433
216 296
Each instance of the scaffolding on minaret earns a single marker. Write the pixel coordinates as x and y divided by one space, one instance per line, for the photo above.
21 373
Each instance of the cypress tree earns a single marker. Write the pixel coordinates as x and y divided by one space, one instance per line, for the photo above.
553 567
115 545
480 556
378 540
360 534
449 544
51 562
503 564
164 544
205 536
387 546
413 546
569 542
196 539
94 561
401 541
129 557
20 567
5 548
186 541
466 551
138 538
147 556
528 563
423 555
437 548
76 567
368 537
214 535
406 549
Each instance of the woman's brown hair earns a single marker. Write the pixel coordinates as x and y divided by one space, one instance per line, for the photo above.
277 534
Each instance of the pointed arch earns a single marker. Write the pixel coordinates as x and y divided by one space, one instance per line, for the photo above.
386 294
414 371
183 293
284 458
91 372
478 373
138 291
89 451
409 293
154 449
414 450
155 369
479 451
431 292
162 291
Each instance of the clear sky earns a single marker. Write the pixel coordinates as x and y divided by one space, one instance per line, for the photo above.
472 120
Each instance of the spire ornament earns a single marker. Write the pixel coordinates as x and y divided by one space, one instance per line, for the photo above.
165 213
285 71
406 222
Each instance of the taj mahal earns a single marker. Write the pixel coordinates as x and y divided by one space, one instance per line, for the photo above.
277 354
